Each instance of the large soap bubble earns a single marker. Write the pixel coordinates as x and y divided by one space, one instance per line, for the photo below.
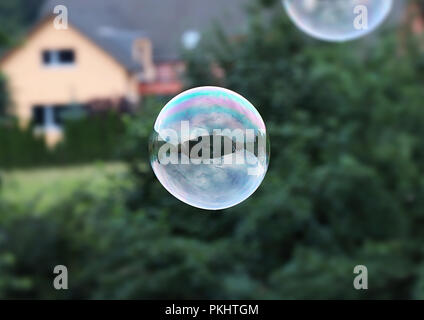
209 148
337 20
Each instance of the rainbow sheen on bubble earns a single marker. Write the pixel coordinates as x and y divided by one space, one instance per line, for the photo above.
233 143
337 20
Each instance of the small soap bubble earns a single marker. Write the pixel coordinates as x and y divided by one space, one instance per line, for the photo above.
337 20
209 148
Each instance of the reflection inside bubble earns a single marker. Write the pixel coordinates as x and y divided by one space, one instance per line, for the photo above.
337 20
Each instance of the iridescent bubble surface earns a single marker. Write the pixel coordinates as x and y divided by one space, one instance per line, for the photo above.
337 20
209 148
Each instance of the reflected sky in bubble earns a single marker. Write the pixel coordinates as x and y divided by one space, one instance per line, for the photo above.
219 181
334 20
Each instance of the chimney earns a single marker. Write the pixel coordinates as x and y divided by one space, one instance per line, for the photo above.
143 53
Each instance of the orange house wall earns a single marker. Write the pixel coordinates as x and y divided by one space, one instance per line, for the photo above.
95 74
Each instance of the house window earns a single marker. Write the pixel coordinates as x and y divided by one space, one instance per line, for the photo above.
38 116
65 57
48 117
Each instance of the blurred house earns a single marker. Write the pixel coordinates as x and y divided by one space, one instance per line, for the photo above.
415 16
111 51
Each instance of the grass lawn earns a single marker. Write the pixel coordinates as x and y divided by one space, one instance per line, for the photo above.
45 187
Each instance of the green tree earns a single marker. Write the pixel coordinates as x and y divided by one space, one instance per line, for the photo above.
344 186
17 15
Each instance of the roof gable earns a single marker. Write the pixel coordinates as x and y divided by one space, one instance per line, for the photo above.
48 20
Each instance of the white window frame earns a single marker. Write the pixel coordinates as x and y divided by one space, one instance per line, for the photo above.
55 61
49 122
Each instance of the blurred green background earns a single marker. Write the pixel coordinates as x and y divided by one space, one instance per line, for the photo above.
345 185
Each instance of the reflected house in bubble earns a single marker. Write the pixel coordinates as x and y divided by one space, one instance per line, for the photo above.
112 55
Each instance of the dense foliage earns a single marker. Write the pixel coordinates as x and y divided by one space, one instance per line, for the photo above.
17 15
345 188
87 139
4 97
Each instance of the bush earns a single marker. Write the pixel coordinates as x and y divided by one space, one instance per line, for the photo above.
89 139
96 137
4 98
20 148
